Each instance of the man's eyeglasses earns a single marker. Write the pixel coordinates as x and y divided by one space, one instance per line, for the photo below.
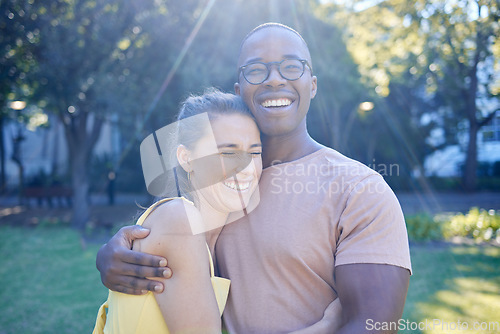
289 69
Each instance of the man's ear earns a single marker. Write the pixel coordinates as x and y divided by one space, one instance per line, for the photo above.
314 86
237 88
183 157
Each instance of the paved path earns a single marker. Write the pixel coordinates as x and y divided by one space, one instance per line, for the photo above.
410 202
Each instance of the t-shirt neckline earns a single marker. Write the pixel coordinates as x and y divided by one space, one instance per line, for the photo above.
301 159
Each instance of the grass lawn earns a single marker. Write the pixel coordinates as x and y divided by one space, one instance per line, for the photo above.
50 285
454 288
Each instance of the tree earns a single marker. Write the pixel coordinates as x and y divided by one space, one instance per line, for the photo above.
82 52
449 48
16 59
462 64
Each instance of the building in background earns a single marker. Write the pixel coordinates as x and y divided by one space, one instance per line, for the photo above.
43 150
448 162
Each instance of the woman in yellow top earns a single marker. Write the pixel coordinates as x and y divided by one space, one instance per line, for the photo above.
218 166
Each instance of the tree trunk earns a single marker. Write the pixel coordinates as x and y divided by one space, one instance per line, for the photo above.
2 157
470 173
81 140
80 185
55 151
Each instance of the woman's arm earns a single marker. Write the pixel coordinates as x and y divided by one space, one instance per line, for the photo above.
188 304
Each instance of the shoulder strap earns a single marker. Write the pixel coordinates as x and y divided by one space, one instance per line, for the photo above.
146 213
211 261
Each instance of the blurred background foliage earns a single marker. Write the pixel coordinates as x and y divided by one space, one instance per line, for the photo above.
477 224
389 74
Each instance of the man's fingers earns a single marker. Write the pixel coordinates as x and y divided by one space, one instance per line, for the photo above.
143 259
136 286
139 271
128 291
130 233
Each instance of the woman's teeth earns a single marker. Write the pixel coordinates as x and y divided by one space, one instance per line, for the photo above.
242 185
276 103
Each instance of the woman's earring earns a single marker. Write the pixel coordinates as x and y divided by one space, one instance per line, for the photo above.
189 176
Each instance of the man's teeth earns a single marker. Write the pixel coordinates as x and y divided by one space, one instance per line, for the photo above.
242 186
276 103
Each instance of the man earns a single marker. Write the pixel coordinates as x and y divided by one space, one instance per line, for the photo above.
327 227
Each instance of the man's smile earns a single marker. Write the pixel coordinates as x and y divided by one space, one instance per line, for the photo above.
283 102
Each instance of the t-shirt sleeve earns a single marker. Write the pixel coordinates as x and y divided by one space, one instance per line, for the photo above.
371 228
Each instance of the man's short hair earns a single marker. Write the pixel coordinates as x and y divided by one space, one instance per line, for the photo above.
271 25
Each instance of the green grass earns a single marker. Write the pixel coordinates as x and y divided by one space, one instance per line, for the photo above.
452 284
48 284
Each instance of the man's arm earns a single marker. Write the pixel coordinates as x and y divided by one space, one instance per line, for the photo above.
330 323
124 270
371 293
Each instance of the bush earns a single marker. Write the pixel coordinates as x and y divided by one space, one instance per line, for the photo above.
484 183
423 227
488 183
478 224
446 183
43 179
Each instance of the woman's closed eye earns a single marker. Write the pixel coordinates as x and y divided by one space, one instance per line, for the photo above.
238 153
227 154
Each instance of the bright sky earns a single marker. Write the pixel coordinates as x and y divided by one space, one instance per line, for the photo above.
362 5
359 6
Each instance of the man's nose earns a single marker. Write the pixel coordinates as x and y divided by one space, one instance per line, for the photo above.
274 79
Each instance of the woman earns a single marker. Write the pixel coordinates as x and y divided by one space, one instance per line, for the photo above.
219 165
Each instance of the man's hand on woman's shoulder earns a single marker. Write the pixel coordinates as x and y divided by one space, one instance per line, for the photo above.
124 270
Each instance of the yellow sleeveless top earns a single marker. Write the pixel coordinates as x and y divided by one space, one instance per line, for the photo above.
141 314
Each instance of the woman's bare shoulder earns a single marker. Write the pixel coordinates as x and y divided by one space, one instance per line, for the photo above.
170 225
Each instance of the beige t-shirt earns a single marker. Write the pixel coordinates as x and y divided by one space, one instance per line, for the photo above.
315 213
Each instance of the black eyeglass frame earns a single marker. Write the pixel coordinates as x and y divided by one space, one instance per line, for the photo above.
268 66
